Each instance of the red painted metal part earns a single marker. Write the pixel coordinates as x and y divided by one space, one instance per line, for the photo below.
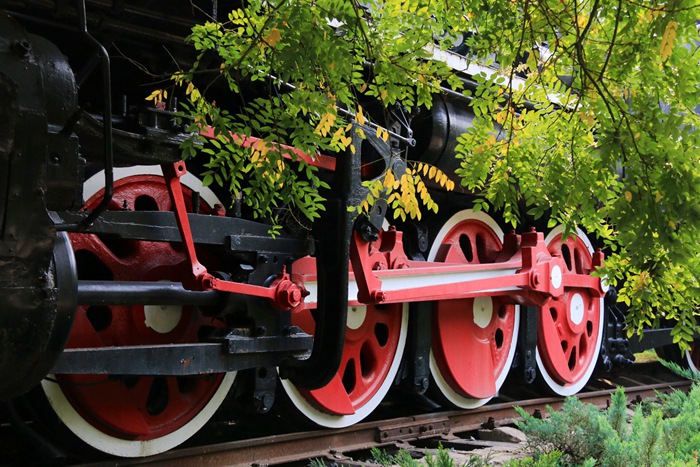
568 325
318 160
283 293
368 353
146 407
383 274
471 356
526 273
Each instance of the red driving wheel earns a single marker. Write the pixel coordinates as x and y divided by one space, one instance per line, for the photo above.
135 415
375 337
570 327
474 339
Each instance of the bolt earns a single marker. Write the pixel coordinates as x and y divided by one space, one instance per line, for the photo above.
21 48
288 295
490 424
379 296
421 385
535 279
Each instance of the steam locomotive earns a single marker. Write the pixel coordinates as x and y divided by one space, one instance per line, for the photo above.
135 302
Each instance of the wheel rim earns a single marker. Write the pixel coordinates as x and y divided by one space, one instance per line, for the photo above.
570 327
692 356
375 338
474 340
135 416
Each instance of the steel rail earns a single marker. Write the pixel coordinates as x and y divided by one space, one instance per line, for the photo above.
285 448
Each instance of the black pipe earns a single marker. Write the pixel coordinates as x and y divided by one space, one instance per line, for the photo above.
143 293
106 120
333 234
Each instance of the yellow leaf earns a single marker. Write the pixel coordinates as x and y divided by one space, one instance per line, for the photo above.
659 196
628 196
389 179
361 133
672 224
326 123
379 132
156 96
385 135
273 37
668 39
432 172
352 148
360 118
582 20
195 96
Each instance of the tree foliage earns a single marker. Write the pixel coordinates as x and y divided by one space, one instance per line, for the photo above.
589 119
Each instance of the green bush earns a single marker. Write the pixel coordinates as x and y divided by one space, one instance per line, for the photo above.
580 434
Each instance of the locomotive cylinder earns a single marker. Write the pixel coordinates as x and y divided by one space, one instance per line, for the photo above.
436 130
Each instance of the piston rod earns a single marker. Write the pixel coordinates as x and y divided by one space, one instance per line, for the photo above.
142 293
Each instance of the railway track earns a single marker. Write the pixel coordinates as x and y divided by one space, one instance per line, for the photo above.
452 428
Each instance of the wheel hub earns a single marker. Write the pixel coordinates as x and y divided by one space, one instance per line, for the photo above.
483 311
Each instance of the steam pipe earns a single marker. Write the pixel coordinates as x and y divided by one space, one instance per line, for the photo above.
106 120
